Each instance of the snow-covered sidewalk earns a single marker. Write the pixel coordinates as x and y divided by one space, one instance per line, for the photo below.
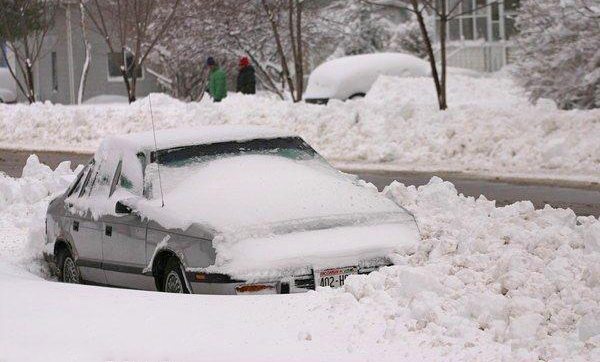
490 127
485 283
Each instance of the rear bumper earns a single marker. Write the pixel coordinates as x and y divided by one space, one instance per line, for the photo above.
223 285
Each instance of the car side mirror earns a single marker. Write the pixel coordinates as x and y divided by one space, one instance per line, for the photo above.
122 209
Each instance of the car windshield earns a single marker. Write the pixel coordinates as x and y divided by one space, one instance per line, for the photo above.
290 147
176 163
239 185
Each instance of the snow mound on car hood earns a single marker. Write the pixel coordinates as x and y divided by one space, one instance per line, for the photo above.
235 193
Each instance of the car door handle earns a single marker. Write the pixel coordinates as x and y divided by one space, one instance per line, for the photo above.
108 230
75 225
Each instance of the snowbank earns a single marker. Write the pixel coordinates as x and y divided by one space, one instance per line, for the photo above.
23 204
486 283
489 126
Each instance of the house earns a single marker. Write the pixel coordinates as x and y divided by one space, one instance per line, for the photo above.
57 74
480 37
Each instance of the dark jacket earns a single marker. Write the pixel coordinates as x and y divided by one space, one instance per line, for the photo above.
246 80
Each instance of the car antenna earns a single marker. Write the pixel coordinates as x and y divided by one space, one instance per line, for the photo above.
162 197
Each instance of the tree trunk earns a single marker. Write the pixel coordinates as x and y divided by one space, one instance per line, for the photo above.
132 97
127 85
284 66
442 93
30 84
430 53
88 57
291 5
300 60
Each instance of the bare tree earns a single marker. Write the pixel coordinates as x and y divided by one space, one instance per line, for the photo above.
444 11
132 29
229 29
274 11
88 55
24 25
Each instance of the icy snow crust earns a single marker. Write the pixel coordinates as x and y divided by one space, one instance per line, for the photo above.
484 283
489 126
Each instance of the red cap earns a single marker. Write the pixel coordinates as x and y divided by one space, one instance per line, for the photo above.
244 62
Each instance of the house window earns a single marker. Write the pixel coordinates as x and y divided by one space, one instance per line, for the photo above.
486 20
115 62
54 72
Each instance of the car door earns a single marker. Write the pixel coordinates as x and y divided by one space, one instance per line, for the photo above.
85 232
124 243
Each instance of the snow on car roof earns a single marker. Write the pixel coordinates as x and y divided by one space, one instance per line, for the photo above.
375 62
181 137
341 77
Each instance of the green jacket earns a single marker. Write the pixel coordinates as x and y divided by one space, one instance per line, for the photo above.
217 84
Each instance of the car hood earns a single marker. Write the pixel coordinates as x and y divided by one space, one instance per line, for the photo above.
260 256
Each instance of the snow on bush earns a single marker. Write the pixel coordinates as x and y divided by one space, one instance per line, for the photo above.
23 204
558 51
490 126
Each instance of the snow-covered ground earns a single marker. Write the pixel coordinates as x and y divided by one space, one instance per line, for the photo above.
490 127
485 283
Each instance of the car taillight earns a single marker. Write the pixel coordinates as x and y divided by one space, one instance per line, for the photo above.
250 289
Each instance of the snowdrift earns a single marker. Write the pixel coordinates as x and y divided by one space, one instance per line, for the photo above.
485 283
490 126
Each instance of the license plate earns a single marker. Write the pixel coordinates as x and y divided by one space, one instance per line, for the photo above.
334 277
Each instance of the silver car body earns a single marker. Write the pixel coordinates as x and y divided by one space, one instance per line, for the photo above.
113 243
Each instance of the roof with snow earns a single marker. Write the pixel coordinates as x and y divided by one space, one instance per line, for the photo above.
182 137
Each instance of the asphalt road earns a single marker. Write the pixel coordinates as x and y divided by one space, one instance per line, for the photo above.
583 199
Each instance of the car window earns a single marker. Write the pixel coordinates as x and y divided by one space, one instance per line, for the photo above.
116 177
102 181
76 186
86 181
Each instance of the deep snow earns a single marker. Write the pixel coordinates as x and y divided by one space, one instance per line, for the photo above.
489 127
485 283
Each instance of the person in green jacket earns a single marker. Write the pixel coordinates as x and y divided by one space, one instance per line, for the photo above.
217 80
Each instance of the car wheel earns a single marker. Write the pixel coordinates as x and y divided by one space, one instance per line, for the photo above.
68 270
174 281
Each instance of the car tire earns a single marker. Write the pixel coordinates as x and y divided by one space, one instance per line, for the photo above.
68 272
173 279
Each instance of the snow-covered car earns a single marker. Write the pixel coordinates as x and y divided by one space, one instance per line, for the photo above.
220 210
8 88
352 76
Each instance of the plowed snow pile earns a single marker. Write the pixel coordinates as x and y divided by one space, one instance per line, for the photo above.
486 283
489 126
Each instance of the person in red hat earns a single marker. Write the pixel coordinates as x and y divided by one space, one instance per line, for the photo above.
246 80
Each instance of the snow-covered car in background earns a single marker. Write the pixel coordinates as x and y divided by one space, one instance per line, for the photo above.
220 210
8 88
352 77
